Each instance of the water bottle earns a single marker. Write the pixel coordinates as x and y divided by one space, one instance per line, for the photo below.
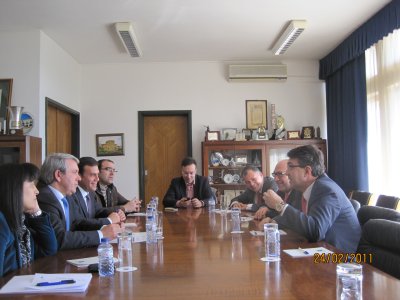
106 258
151 226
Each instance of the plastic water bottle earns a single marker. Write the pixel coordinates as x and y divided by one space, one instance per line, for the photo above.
106 258
151 226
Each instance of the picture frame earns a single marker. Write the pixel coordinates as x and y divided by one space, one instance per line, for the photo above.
110 144
293 134
212 136
5 99
247 133
228 134
307 132
256 114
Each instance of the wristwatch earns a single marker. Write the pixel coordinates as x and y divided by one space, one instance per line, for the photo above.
279 206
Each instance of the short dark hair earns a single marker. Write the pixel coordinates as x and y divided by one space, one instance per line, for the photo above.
12 178
250 168
187 161
86 161
100 162
309 155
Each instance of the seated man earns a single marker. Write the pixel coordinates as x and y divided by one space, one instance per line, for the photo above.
59 174
326 213
256 185
285 192
107 192
189 190
92 215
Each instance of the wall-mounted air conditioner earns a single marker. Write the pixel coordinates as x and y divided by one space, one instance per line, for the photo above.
276 72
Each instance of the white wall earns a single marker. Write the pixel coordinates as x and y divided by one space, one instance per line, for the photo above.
112 95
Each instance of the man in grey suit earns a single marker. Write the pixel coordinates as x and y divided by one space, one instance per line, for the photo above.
326 214
256 185
60 177
91 214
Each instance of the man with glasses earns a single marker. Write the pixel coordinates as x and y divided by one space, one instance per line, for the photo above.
285 192
326 213
256 185
108 193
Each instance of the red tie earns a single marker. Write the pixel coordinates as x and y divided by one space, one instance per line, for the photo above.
304 205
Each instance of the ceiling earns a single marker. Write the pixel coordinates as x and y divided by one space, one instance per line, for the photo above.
188 30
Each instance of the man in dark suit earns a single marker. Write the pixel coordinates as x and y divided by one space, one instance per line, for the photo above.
326 213
285 192
256 185
60 176
92 215
189 190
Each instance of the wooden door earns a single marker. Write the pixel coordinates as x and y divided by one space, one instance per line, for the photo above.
165 144
62 129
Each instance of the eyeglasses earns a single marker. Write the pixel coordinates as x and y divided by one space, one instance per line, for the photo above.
290 166
278 174
109 169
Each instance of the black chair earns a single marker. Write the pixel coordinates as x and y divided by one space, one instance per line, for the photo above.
364 198
380 238
388 201
356 205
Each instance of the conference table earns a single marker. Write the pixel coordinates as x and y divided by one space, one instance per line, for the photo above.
199 258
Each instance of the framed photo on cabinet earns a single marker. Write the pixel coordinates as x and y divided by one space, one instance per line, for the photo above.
293 135
212 136
256 114
5 99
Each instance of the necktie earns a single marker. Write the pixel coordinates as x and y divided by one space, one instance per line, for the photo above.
286 197
259 198
304 205
89 205
66 211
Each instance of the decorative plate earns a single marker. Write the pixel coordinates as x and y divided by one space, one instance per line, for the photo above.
225 162
27 122
236 178
214 160
228 178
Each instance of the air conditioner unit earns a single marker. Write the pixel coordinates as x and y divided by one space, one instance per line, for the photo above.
257 72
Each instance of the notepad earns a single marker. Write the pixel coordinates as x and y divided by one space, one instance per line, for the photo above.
26 284
306 252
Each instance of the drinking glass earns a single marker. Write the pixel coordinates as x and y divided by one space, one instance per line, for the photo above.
160 226
348 281
224 203
125 240
272 242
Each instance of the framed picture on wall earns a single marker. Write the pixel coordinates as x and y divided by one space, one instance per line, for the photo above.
110 144
256 114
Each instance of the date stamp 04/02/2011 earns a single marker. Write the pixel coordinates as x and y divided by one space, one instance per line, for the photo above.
338 258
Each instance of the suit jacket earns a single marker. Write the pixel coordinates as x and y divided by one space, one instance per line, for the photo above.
93 219
117 199
330 217
66 239
177 190
248 196
43 242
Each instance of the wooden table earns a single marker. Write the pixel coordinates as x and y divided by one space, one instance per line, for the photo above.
200 259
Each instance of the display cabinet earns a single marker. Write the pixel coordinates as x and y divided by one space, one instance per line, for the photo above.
20 148
223 161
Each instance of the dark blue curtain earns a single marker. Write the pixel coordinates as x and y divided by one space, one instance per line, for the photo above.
347 126
344 72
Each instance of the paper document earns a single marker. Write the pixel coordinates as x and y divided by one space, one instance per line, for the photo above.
136 214
84 262
261 233
171 209
306 252
49 283
246 219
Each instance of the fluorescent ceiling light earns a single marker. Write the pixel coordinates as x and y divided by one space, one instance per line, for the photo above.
128 38
292 31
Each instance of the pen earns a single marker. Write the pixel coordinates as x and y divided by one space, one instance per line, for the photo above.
304 251
67 281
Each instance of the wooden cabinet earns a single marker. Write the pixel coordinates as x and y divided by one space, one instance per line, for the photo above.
20 148
223 161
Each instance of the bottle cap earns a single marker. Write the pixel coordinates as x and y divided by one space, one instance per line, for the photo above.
104 240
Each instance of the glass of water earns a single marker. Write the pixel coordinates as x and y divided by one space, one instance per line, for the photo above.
348 281
272 242
125 258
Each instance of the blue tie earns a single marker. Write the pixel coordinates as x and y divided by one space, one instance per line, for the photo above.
89 205
66 210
